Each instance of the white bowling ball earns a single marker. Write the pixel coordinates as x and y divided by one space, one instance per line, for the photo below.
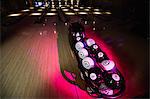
93 76
88 63
108 64
79 45
90 42
95 46
100 54
83 53
116 77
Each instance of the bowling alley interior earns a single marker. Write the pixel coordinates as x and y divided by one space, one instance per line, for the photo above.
74 49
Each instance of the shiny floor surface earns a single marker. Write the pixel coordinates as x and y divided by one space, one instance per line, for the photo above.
35 57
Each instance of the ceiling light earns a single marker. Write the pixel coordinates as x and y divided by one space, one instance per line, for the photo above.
51 14
97 13
34 14
18 14
69 13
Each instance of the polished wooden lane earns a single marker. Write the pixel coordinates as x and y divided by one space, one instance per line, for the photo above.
27 57
33 60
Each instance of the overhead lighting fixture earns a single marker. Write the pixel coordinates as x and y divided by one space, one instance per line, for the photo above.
107 12
42 7
40 10
26 10
69 13
65 9
76 9
89 7
71 7
34 14
96 10
53 9
86 10
31 7
51 14
97 13
82 13
12 15
81 7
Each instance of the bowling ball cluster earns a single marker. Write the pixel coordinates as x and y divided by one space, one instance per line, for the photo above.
99 72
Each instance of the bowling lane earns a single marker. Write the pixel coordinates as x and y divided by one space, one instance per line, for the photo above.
27 59
30 65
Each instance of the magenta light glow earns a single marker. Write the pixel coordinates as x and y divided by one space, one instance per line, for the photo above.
132 85
49 69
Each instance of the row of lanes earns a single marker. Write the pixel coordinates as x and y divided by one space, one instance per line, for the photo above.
52 11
